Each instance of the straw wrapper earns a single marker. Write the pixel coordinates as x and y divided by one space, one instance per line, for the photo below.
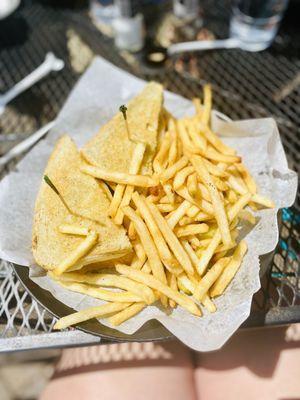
94 100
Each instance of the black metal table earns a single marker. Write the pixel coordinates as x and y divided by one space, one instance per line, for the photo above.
246 85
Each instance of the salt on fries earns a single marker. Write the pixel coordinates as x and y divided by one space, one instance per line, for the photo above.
182 221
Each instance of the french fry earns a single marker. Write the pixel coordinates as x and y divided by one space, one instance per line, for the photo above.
189 287
165 208
192 211
238 206
162 153
202 243
235 234
148 244
174 217
173 169
201 216
220 184
89 313
249 181
156 284
209 278
139 250
102 294
169 192
126 314
164 200
210 233
214 140
209 304
108 280
230 270
131 231
135 164
116 200
263 201
214 155
171 239
220 213
223 166
204 192
179 145
210 151
234 183
181 176
193 256
172 283
156 234
184 137
192 229
214 169
247 216
232 196
73 230
172 156
200 203
218 256
181 286
215 241
120 177
154 199
207 104
185 221
166 118
253 206
84 247
205 206
171 126
137 263
222 247
146 268
197 139
106 190
192 184
194 241
198 107
232 170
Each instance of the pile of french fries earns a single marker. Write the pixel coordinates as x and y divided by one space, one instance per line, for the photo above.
182 221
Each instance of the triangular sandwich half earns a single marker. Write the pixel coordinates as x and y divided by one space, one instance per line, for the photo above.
112 150
86 199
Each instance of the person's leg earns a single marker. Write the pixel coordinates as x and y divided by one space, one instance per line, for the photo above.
124 371
255 364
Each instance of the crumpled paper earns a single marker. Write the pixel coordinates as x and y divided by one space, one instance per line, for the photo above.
93 101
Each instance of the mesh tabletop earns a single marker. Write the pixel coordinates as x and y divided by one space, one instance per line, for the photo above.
245 85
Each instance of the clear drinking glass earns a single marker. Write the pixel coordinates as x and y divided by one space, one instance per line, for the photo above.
256 22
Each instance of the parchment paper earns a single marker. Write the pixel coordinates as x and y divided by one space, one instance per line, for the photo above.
97 96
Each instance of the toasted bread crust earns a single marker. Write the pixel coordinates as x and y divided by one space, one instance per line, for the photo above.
86 199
